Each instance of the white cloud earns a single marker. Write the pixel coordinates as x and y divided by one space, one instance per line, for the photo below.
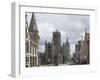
71 26
41 48
45 31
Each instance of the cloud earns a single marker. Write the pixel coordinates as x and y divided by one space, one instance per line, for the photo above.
71 26
45 31
41 48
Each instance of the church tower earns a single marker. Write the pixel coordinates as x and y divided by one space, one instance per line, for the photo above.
68 50
32 43
57 38
57 47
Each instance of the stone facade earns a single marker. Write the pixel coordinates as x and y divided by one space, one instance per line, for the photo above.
31 42
76 56
81 55
65 52
55 53
84 51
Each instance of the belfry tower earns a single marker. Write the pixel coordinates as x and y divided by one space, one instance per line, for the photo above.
57 47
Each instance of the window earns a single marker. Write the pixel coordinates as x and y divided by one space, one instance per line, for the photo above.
27 46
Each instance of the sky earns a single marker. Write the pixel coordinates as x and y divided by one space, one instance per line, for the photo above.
71 26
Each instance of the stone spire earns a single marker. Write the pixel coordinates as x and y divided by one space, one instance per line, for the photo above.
81 38
67 40
85 30
26 22
45 41
33 25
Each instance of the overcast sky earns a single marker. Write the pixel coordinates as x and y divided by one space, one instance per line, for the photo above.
71 26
